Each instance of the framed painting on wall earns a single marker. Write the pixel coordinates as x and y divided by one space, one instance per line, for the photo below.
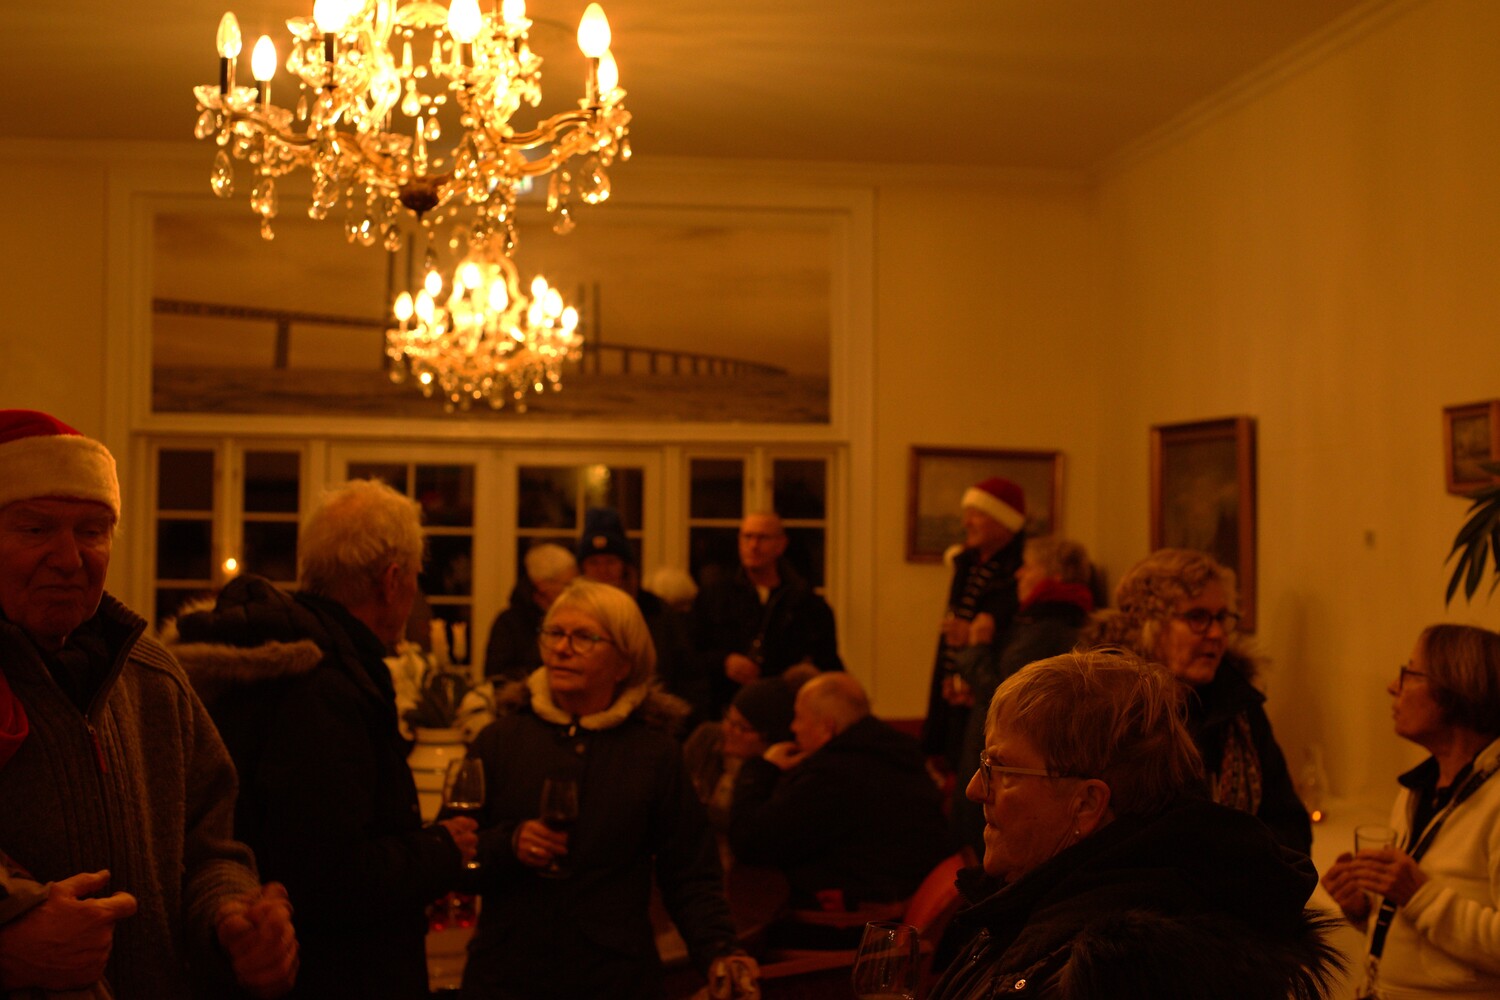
1471 435
1203 496
937 480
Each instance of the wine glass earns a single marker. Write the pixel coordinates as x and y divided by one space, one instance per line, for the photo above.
888 964
463 791
559 812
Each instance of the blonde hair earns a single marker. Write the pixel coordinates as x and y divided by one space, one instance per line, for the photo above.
1148 596
1463 673
546 562
837 698
1109 715
353 532
619 617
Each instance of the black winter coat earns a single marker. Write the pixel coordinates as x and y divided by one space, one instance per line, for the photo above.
1197 903
590 935
512 651
859 815
794 624
301 693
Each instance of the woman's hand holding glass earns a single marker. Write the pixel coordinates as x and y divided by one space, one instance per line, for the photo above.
538 845
1354 879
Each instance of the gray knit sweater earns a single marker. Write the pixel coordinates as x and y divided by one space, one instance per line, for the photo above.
140 785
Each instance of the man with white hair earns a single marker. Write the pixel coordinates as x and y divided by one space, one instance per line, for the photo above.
512 652
301 691
846 810
114 784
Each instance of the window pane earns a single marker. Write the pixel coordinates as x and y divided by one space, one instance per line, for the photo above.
800 488
271 481
393 474
450 566
184 550
714 554
548 497
184 480
620 489
446 493
805 551
271 550
717 488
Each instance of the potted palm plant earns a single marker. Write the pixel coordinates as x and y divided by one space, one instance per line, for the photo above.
1478 541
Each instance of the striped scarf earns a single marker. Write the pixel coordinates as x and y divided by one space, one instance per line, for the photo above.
979 581
1238 783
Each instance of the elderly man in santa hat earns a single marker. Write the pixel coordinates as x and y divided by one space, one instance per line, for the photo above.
983 588
114 784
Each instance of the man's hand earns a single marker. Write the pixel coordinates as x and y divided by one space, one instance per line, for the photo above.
741 669
64 942
464 832
784 755
956 691
256 932
734 977
955 630
982 629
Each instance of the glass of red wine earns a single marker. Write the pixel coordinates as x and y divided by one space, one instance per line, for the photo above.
559 812
463 791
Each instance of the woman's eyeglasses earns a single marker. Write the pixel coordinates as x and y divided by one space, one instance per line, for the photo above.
578 640
1405 672
1199 619
988 769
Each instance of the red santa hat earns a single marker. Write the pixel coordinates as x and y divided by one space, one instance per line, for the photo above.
999 498
40 456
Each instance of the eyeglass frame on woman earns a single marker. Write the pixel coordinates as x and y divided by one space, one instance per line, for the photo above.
1406 671
589 640
986 766
1198 620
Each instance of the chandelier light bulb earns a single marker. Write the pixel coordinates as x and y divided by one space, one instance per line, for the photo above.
609 73
330 16
538 288
404 308
263 59
569 320
469 275
499 296
228 38
433 283
593 32
513 11
464 20
425 308
552 303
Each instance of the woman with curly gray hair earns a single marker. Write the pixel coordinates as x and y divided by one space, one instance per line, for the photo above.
1176 607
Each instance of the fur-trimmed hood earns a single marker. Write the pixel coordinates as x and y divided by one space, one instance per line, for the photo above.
647 702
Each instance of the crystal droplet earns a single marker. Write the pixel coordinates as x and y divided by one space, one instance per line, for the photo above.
207 123
624 149
564 224
433 130
271 200
392 238
221 178
302 107
411 104
266 232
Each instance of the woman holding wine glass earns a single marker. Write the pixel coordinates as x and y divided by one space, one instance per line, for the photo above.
566 888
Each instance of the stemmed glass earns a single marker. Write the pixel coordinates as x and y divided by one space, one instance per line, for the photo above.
559 812
888 964
463 791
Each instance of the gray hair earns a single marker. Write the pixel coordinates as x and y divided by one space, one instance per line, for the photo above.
619 617
1062 560
352 534
837 698
547 561
1463 671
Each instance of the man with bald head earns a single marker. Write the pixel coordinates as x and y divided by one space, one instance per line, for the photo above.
763 619
846 810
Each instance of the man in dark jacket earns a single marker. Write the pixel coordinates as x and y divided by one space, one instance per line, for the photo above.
512 651
847 811
299 687
762 620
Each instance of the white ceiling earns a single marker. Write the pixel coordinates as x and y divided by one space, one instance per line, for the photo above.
1032 84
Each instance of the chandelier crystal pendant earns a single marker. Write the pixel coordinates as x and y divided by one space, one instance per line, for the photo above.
474 337
376 78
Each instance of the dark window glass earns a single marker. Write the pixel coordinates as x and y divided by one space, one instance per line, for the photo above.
393 474
270 550
805 551
714 554
184 480
548 498
450 566
272 479
446 493
800 488
717 488
184 550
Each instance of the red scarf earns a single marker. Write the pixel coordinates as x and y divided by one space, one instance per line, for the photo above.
13 727
1050 590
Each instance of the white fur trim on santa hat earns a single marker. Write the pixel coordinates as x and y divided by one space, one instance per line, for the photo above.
66 466
992 505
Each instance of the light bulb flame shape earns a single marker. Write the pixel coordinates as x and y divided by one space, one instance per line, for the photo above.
228 38
593 32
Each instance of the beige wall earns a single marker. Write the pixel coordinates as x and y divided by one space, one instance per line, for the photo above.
1324 258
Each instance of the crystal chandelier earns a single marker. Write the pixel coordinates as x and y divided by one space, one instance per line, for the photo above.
484 341
375 81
